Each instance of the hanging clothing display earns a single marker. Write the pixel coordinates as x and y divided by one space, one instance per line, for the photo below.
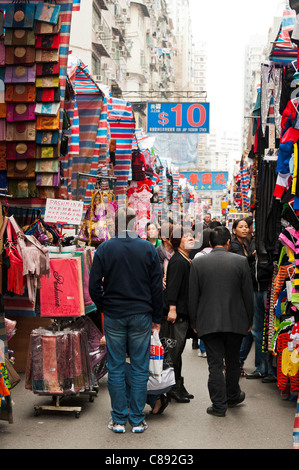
58 362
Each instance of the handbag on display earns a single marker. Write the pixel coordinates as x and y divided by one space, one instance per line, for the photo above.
2 129
47 165
43 55
20 93
19 55
138 166
48 42
13 376
22 188
47 28
19 15
47 138
47 12
15 281
47 69
20 74
20 151
48 193
47 123
48 179
2 53
43 151
47 82
50 109
20 131
1 22
3 110
19 37
48 94
3 160
20 112
99 221
24 169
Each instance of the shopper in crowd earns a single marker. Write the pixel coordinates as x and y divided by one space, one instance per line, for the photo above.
250 239
241 246
197 230
152 233
204 250
239 235
221 320
126 285
165 249
175 322
157 398
207 220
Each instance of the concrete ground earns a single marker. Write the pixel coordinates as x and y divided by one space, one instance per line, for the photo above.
263 421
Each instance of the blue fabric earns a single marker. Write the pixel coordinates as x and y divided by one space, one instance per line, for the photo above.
132 332
284 155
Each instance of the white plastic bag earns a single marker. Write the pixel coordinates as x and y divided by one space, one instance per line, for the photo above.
156 357
167 380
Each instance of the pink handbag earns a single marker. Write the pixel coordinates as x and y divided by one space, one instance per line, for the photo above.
20 112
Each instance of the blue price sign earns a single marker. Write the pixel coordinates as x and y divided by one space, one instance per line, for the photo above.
176 118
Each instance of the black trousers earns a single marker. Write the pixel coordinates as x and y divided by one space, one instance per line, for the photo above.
223 348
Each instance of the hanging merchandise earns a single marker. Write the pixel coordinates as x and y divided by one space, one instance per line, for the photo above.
35 256
19 15
58 362
61 294
99 221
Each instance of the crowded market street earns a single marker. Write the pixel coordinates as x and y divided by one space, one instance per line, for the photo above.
251 425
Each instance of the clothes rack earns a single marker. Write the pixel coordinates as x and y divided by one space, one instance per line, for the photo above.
57 326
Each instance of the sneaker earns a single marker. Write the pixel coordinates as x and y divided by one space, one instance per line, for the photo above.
116 427
140 428
202 354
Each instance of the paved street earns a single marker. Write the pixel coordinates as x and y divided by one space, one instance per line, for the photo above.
263 421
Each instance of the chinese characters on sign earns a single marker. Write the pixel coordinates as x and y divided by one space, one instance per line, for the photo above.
178 118
207 181
61 211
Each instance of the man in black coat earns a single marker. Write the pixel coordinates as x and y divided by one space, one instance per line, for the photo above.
221 312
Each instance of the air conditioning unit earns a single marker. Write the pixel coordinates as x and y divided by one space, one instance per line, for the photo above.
113 76
124 11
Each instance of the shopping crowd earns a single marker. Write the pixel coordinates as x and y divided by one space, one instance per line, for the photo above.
167 283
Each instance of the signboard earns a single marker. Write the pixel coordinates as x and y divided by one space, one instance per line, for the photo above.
60 211
178 118
207 180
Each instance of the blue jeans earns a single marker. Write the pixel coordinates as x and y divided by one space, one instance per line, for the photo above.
262 363
132 332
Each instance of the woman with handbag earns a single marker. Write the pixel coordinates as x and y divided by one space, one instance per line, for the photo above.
175 322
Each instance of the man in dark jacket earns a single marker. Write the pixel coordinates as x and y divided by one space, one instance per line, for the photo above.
221 312
126 285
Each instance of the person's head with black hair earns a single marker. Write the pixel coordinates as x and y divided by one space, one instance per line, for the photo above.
206 238
182 238
214 224
220 236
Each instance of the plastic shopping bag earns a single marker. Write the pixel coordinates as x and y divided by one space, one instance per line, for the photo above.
156 357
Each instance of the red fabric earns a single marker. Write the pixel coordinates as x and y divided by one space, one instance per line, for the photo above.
59 295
